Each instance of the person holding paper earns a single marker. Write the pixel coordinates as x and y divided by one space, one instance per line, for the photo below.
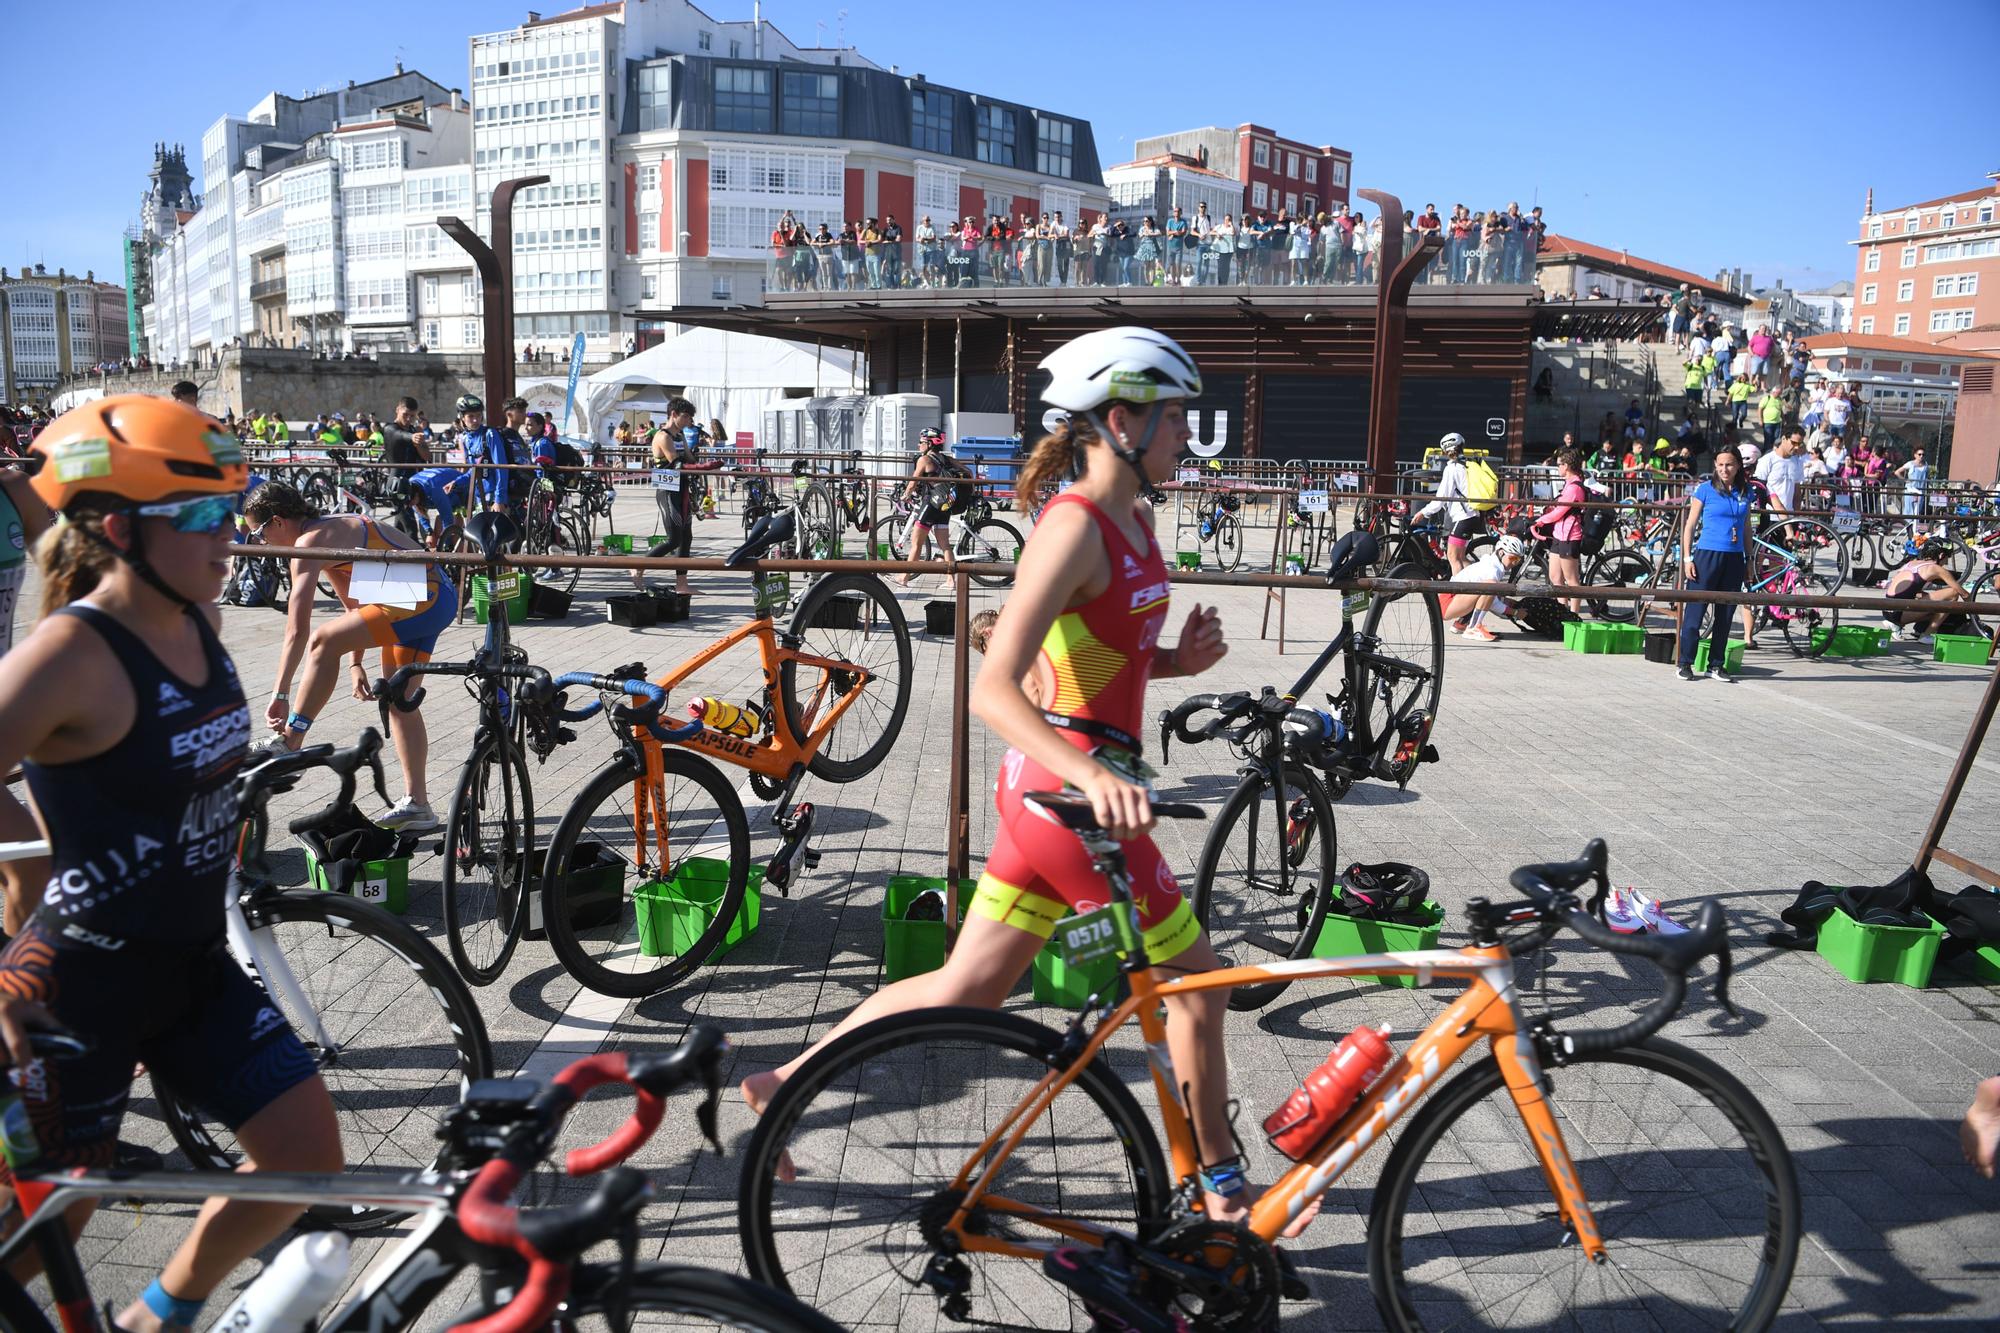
401 608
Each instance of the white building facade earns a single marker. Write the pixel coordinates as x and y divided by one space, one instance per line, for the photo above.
1154 187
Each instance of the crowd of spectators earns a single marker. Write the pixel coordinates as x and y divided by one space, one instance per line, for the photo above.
1263 248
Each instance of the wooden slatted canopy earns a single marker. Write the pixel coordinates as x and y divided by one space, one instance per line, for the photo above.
1286 369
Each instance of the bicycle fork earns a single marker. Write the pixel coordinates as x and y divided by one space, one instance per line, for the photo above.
1527 1083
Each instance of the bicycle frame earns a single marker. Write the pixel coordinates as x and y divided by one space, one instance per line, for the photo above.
1485 1011
777 755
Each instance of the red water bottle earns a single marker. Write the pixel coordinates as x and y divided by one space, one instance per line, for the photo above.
1312 1111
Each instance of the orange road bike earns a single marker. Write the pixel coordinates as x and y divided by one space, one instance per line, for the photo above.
648 869
961 1166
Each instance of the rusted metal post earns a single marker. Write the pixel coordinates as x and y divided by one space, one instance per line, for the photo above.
496 276
1961 769
1392 304
958 860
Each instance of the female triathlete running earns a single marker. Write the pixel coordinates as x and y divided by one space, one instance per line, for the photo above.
1088 605
406 634
127 717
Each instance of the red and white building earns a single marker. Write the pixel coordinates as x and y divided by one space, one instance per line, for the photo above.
1155 186
1911 387
1569 269
1931 270
1274 172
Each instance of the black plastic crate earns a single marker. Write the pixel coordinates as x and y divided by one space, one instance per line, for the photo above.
940 616
636 609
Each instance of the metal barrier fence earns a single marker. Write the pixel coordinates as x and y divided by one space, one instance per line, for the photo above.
958 817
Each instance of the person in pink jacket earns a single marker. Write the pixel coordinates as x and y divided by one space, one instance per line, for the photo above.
1762 344
1561 524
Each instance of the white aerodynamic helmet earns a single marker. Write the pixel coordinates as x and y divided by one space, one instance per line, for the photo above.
1510 547
1452 443
1128 365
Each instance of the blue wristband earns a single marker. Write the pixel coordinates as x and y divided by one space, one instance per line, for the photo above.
298 722
1225 1178
171 1309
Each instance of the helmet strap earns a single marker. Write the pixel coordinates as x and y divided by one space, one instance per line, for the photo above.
136 558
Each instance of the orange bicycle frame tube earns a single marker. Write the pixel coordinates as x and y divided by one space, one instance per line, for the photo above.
777 756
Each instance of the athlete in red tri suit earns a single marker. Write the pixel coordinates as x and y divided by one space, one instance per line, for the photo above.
1085 615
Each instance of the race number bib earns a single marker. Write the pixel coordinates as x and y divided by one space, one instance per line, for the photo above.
1188 476
1846 522
1100 934
1313 502
666 479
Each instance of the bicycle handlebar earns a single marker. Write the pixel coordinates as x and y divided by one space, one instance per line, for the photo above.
1551 887
626 681
548 1239
256 784
389 691
1229 708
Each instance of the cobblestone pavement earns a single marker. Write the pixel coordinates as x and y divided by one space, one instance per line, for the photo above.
1801 770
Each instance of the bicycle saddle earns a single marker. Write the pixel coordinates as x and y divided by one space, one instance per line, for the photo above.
1351 556
494 531
768 531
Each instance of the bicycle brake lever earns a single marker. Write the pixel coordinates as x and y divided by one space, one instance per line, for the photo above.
381 783
705 1116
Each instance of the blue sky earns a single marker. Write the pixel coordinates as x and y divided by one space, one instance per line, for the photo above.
1780 118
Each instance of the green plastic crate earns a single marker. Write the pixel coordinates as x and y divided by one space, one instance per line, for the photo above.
1961 649
882 551
1342 936
1187 560
1590 636
385 883
1732 656
674 913
618 543
1056 982
1854 641
512 594
910 948
657 539
1982 963
1902 954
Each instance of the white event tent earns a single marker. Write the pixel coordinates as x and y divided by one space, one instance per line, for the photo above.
729 376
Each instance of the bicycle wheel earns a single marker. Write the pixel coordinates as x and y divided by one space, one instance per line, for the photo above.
1985 588
488 844
990 541
560 535
1808 630
872 636
1813 546
1228 541
1266 875
619 842
396 1034
1623 568
878 1126
600 1299
1690 1183
1407 629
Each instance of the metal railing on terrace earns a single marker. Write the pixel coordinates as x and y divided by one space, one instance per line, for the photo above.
1299 257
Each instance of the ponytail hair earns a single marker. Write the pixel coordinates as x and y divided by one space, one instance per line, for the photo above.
1057 457
74 556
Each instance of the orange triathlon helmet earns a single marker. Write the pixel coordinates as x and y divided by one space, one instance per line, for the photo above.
135 448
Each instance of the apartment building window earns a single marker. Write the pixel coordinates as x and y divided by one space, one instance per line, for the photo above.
1951 321
1948 218
1902 325
704 40
1259 196
1955 284
1908 259
1906 289
810 104
649 232
1312 205
1985 213
735 49
743 99
995 135
1874 231
1312 171
648 177
1868 294
1339 175
937 193
1055 146
1867 324
649 288
1292 165
656 97
930 120
1872 262
721 287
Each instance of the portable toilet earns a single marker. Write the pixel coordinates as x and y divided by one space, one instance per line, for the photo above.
892 423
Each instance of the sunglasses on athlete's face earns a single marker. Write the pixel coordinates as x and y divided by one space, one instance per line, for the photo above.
204 514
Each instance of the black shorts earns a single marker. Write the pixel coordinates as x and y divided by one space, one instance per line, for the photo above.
1467 528
933 516
1570 549
192 1016
674 524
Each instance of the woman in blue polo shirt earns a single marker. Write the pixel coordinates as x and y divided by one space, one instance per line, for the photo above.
1716 538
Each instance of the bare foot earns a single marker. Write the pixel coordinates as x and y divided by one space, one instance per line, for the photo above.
757 1092
1979 1135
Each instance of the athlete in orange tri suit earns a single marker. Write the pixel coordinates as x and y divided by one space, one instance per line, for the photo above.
1085 615
280 516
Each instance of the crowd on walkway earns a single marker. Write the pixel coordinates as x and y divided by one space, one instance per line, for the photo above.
1265 247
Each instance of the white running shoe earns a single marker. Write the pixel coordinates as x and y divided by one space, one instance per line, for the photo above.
407 816
1621 915
1656 919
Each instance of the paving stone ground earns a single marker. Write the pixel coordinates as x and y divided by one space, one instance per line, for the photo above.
1802 770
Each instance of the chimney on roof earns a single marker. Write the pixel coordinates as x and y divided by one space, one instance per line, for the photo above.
90 275
454 99
534 16
1868 204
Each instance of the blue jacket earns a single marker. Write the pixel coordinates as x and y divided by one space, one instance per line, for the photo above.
487 445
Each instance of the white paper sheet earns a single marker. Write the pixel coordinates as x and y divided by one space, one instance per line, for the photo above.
379 583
